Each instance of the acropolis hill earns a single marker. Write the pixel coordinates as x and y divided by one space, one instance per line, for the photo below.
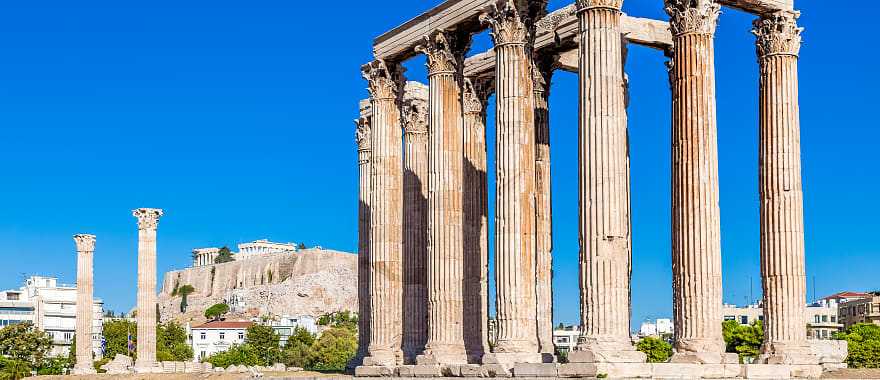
306 282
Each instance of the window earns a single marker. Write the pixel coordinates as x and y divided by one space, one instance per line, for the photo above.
241 335
203 355
744 319
816 317
203 336
833 319
824 318
222 335
729 318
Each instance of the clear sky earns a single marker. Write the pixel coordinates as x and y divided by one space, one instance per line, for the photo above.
236 118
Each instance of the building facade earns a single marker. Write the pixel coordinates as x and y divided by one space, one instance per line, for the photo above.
287 325
821 317
862 310
566 338
217 336
656 328
51 307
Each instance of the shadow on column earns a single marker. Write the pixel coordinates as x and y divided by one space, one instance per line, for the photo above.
415 274
475 308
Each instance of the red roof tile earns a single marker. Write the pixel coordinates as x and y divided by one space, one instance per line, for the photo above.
848 295
224 325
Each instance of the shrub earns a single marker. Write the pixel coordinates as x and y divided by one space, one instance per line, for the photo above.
333 350
657 350
864 345
235 355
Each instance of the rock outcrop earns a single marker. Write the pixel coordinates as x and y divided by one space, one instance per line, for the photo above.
308 282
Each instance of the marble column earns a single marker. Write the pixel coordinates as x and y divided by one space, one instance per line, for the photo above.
783 270
696 239
85 250
542 72
604 189
386 215
365 151
148 222
445 57
513 33
476 212
415 220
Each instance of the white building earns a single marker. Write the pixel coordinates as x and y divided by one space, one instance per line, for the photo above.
286 325
566 338
51 307
217 336
656 328
206 256
821 317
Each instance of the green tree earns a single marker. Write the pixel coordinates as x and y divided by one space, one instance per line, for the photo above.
224 256
344 319
657 350
745 340
116 335
184 292
296 351
333 349
216 311
23 342
235 355
14 369
171 343
55 366
863 340
301 246
265 341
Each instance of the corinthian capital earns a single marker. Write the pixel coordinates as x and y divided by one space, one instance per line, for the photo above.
692 16
148 218
476 95
362 133
384 80
583 5
443 52
509 24
84 243
778 34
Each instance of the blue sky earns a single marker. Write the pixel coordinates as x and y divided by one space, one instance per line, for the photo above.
236 118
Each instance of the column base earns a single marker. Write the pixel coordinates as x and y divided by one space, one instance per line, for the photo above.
605 350
704 358
383 358
442 356
511 358
147 367
787 353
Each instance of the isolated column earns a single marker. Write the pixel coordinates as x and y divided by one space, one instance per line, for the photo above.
476 212
542 72
445 222
148 222
415 220
365 151
604 189
515 180
85 250
386 214
783 270
696 239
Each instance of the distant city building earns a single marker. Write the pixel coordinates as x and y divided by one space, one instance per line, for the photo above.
656 328
566 338
861 310
821 316
206 256
217 336
286 325
51 307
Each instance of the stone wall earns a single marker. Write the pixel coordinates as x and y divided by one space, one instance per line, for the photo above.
311 282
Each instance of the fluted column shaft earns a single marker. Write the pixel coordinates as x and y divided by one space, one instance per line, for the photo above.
85 249
543 210
445 215
696 239
415 226
386 231
148 222
476 233
365 152
515 182
783 270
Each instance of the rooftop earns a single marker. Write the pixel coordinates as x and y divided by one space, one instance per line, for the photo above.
224 325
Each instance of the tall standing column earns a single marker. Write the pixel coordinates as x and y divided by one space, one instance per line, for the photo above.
365 151
696 239
148 222
542 72
445 223
513 34
783 270
85 250
604 189
415 220
476 213
386 231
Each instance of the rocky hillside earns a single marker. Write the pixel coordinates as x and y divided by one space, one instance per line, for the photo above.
309 282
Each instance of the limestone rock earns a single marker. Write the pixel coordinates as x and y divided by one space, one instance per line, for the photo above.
121 364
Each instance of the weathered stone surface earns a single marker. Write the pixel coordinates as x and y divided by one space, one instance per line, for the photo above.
831 353
374 371
766 371
806 371
495 370
677 371
721 371
542 73
759 6
625 370
121 364
578 370
148 222
535 369
85 250
363 138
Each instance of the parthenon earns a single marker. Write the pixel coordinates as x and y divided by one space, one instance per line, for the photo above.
423 192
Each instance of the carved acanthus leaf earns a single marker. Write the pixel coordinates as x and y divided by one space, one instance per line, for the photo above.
778 34
472 102
509 25
439 48
583 5
415 116
384 81
148 218
550 22
362 133
692 16
84 242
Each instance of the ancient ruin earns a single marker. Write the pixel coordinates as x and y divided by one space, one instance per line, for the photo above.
423 219
85 286
148 222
